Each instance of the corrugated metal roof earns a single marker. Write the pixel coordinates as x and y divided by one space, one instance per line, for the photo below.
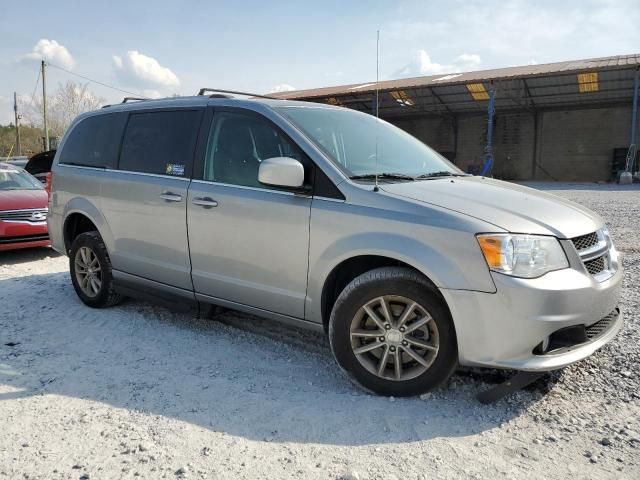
525 87
480 75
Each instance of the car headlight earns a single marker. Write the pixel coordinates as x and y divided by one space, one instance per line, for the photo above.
614 258
525 256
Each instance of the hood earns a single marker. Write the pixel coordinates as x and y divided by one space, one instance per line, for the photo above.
506 205
23 199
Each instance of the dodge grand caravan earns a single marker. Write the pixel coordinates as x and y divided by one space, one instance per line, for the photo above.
332 219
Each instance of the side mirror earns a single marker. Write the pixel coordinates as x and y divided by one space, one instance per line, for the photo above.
281 172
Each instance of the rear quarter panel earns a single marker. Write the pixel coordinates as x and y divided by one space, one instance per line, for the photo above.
76 190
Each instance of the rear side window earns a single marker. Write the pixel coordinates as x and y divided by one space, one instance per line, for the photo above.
160 142
94 142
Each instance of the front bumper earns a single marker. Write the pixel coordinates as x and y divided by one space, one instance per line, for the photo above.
503 329
16 235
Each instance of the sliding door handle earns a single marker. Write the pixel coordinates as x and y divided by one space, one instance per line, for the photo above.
171 197
206 202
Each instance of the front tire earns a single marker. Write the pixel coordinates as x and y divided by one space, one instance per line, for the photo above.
392 333
91 273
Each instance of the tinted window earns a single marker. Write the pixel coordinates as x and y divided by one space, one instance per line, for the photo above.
160 142
238 142
94 142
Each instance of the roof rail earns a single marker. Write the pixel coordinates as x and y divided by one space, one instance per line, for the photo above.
233 92
128 99
132 99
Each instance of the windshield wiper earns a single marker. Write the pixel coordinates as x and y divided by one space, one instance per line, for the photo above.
385 175
442 173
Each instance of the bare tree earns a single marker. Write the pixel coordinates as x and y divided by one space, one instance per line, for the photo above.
69 101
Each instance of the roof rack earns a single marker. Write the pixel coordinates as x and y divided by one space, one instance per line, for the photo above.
128 99
216 93
133 99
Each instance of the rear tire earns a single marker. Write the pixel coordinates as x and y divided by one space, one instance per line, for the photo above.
91 272
392 333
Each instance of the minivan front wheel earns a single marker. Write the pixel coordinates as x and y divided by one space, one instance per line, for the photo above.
90 270
392 334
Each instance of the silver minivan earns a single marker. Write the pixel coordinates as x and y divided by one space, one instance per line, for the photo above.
334 220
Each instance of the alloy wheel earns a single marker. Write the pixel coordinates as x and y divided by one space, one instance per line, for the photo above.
88 271
394 338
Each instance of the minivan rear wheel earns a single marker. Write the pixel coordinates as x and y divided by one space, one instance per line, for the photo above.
392 333
90 270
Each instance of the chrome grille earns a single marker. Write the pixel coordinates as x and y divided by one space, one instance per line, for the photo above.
596 265
593 249
601 326
585 241
28 215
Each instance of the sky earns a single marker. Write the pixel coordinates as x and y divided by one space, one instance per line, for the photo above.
165 47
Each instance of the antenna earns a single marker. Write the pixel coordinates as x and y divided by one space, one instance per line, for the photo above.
375 188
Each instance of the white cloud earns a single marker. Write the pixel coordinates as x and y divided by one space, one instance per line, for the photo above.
527 30
423 65
283 87
143 71
469 60
51 51
152 93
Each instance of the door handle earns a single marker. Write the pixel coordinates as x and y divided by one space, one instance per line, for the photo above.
171 197
205 202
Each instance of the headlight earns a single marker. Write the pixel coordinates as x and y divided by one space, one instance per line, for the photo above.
614 259
525 256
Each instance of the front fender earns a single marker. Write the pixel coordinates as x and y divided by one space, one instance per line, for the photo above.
449 259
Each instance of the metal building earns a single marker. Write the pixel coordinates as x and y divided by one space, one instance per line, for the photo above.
567 121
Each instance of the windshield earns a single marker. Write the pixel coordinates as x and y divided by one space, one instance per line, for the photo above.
18 180
362 145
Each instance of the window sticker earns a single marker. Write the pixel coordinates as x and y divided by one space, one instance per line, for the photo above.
176 169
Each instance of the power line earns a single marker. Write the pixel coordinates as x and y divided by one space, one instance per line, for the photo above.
33 94
95 81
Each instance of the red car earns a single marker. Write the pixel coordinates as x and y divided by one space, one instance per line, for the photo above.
23 210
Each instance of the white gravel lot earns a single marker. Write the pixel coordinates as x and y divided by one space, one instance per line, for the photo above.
139 392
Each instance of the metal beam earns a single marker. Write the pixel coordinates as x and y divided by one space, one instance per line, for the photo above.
437 97
506 93
527 93
634 109
488 151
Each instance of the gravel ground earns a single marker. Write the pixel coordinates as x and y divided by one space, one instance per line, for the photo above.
139 392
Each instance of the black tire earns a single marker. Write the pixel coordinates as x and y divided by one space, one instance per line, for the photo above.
402 282
106 295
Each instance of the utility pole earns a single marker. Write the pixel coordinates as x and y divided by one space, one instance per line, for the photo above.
44 107
15 111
